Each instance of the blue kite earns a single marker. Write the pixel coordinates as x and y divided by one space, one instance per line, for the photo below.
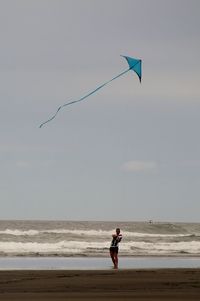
134 64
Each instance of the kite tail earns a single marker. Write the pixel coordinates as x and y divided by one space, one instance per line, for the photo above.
82 98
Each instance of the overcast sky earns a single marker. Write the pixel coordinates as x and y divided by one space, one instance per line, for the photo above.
131 151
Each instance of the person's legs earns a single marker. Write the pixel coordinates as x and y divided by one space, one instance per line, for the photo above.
116 260
112 255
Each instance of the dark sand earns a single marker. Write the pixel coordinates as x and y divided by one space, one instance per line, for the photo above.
162 284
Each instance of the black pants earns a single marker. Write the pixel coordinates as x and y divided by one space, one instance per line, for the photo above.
114 249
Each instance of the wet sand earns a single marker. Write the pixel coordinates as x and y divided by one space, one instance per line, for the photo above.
141 285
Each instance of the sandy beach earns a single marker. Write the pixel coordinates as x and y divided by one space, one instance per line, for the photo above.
154 284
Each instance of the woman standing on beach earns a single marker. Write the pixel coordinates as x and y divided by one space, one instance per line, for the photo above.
116 238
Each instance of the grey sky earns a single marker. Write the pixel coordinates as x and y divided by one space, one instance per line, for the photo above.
130 152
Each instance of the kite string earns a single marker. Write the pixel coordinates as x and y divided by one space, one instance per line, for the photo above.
82 98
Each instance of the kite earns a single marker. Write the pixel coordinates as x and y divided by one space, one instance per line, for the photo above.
134 64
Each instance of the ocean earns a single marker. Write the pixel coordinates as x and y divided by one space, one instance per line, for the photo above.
92 239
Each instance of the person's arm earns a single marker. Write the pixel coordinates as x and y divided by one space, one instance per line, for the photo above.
119 238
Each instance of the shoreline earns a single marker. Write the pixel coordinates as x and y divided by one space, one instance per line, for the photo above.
96 263
100 255
76 285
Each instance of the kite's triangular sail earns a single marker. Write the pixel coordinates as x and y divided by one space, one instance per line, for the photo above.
134 64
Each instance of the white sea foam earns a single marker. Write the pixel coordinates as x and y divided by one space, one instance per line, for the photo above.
80 247
17 232
192 247
62 247
94 233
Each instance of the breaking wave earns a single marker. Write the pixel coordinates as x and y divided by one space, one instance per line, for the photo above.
48 238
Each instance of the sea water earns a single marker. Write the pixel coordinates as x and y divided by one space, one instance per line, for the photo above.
92 239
